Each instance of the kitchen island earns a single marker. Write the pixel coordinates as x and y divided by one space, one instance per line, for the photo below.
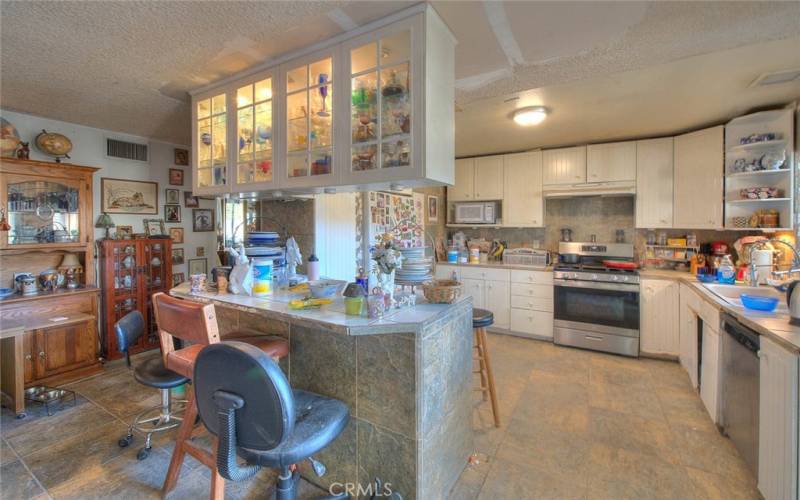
407 379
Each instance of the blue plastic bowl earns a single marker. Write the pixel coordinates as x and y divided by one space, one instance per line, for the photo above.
706 278
759 302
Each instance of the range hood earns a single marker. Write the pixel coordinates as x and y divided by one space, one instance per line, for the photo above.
590 189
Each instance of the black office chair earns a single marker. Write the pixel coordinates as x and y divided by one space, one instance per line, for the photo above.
245 400
151 373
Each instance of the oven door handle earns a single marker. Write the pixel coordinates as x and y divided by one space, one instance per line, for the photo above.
597 285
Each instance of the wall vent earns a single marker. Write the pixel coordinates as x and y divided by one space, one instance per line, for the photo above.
776 77
127 150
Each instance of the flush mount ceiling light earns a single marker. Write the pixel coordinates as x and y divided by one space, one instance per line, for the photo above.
532 115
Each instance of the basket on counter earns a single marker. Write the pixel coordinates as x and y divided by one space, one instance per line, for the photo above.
441 291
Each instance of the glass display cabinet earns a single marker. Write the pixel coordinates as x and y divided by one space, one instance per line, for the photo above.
211 138
131 271
310 119
254 118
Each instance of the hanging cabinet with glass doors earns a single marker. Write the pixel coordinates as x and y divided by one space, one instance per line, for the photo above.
375 109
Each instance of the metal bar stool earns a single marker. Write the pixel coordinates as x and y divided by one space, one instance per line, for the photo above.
481 318
196 326
152 373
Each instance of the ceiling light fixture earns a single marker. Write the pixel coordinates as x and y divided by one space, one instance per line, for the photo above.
532 115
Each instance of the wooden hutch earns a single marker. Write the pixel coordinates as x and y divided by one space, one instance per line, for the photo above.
50 337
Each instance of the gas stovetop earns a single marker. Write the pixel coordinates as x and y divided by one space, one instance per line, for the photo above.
590 257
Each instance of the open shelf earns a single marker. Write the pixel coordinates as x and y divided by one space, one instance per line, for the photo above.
759 173
758 200
757 145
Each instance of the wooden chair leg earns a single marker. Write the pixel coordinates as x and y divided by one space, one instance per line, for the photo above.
184 433
489 376
482 365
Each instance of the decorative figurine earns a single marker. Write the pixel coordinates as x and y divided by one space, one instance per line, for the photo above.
23 151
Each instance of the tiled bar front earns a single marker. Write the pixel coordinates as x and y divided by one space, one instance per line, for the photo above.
409 393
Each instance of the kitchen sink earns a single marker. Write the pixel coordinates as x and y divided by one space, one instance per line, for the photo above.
732 293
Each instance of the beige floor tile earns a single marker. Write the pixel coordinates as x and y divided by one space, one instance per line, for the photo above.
17 483
624 374
7 454
624 399
469 484
683 407
715 487
667 374
512 480
633 433
621 474
711 452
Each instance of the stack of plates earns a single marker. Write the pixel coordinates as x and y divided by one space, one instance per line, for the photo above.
257 238
416 267
264 251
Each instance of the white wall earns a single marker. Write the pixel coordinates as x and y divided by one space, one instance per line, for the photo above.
89 150
335 240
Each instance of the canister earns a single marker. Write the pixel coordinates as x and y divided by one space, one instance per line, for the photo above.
262 277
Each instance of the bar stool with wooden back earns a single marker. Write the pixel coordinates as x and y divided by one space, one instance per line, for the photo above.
481 318
195 325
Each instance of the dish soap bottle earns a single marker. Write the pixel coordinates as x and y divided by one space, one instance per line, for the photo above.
726 272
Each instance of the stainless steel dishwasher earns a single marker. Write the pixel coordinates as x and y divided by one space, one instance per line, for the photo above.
740 392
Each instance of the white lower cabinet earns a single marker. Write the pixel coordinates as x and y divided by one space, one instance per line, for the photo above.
709 371
777 422
498 301
660 317
537 323
689 303
475 289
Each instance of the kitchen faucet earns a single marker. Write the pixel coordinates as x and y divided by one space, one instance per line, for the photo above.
795 268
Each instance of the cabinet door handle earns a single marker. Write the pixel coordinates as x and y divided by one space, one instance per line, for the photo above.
41 354
28 357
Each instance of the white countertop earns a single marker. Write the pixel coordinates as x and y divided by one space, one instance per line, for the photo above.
331 316
499 265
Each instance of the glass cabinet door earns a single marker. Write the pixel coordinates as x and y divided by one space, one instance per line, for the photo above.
309 119
125 260
380 110
42 212
154 266
254 132
211 141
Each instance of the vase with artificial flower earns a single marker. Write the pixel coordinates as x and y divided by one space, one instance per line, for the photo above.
387 258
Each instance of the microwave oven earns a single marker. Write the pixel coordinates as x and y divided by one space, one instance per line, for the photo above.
476 213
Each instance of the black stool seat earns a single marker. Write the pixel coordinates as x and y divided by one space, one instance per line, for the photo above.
481 318
318 421
153 373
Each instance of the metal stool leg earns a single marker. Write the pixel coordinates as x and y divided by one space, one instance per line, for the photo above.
489 375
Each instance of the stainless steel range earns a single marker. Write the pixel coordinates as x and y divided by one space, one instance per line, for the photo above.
596 306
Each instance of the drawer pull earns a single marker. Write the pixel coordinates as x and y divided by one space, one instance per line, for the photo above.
592 337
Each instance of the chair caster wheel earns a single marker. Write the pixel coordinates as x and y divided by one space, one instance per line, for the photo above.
143 453
22 415
124 442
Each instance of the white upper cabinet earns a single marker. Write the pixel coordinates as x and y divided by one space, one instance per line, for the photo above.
613 162
373 110
523 204
464 187
698 179
489 178
654 183
564 166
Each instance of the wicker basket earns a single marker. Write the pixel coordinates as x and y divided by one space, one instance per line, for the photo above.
441 291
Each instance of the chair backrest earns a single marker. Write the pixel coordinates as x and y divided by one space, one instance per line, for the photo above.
239 370
128 330
184 320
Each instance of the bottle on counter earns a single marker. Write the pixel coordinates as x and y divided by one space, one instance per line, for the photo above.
726 272
312 268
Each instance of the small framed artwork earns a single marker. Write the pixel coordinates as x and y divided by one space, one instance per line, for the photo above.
154 227
172 213
177 256
176 234
189 200
172 196
202 220
175 177
124 232
201 251
197 266
182 157
177 279
433 208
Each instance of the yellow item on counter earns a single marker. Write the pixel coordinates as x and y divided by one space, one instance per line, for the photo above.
308 303
300 288
676 242
693 265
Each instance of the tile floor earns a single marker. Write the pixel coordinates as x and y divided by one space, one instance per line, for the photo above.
575 424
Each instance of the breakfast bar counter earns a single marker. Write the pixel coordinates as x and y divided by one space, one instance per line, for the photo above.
406 378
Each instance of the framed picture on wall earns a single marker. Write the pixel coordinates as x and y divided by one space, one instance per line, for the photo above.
177 256
433 208
177 279
197 266
202 220
175 177
201 251
172 213
189 200
172 196
154 227
176 234
123 196
182 157
124 232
